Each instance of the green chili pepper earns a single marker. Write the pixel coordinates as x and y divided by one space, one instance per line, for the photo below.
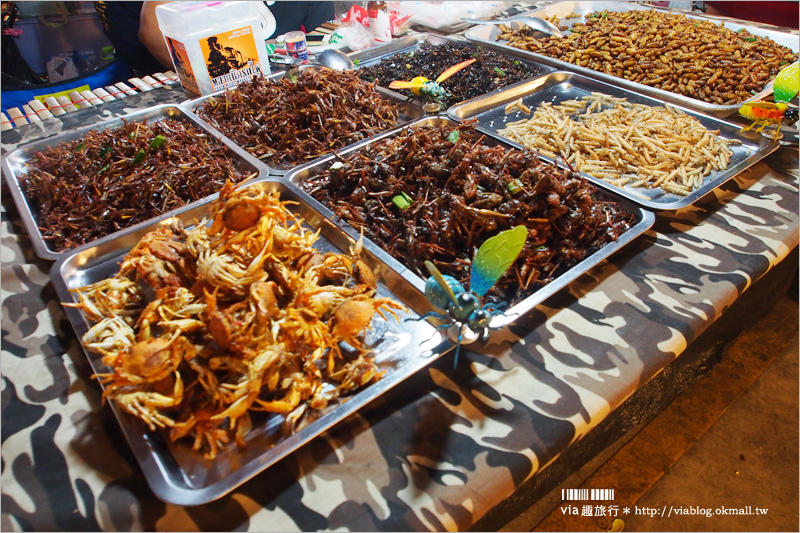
158 141
139 157
515 186
453 137
402 200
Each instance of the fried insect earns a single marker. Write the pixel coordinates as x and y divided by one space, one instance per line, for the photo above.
489 72
669 51
240 314
625 143
296 119
435 194
111 179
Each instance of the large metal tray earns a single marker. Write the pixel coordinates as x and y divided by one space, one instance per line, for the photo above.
408 111
179 475
15 164
487 34
643 219
372 56
560 86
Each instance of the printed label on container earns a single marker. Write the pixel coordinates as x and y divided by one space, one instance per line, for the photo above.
180 60
231 57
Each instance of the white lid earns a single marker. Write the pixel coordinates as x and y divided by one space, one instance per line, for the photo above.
186 18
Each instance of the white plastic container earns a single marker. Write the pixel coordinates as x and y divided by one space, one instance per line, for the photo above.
214 45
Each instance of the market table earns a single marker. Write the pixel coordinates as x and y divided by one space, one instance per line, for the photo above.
436 453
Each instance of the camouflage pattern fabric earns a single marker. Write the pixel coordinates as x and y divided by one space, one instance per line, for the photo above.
439 451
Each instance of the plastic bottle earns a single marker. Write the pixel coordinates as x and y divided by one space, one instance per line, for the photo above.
378 14
214 45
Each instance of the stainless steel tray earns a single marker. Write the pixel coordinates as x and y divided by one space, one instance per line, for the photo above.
15 164
559 86
181 476
373 56
487 34
643 219
408 112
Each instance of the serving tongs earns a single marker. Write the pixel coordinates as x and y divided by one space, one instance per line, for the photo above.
542 25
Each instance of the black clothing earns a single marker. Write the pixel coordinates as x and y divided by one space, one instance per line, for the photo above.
290 16
121 26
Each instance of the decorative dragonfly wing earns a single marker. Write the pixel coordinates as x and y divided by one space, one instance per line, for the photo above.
455 68
786 83
441 281
494 257
763 105
399 84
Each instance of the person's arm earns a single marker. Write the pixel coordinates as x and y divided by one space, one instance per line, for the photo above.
150 34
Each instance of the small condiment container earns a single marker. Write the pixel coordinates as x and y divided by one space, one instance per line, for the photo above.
296 45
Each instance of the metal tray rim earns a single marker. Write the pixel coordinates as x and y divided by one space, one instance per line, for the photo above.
24 209
141 441
398 46
645 219
190 107
717 109
681 201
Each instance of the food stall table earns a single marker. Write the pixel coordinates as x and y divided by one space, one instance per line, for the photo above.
442 449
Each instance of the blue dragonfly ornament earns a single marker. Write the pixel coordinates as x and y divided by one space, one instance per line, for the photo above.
465 317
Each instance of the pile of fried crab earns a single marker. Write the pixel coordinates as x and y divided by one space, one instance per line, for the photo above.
200 328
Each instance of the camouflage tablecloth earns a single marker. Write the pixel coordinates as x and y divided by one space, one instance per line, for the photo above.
439 451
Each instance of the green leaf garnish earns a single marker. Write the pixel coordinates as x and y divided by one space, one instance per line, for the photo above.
105 151
80 148
454 135
139 157
104 168
402 201
158 141
516 62
355 62
515 186
411 53
750 39
499 72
